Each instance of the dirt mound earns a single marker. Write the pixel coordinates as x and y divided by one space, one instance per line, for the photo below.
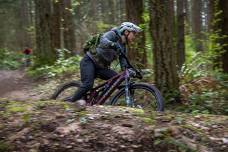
57 126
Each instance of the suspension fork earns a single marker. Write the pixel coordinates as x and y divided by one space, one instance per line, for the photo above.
128 95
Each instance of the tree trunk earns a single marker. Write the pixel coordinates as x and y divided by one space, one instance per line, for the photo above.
99 10
32 23
161 29
197 24
210 14
93 11
122 7
44 54
56 25
204 13
134 12
68 26
113 15
188 16
223 5
180 33
23 36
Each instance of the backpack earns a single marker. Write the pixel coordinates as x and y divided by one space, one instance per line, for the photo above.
91 43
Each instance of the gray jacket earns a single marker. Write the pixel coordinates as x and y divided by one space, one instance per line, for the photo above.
107 51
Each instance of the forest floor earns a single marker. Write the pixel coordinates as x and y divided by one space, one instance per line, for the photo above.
16 85
29 123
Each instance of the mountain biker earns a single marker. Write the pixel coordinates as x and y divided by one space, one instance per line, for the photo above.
96 62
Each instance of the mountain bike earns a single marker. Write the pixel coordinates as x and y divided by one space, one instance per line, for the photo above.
121 90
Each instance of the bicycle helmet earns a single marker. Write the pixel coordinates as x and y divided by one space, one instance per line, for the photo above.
131 27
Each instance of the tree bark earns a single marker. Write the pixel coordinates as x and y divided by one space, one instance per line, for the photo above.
56 25
223 5
165 66
180 33
68 26
197 24
134 13
122 7
44 53
23 36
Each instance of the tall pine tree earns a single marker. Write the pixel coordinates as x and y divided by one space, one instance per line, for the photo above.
165 66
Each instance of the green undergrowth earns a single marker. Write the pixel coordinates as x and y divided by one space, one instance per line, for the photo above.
10 60
61 67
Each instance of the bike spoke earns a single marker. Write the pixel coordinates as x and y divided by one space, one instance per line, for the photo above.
142 99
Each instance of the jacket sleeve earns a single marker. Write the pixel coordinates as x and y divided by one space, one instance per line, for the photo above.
108 40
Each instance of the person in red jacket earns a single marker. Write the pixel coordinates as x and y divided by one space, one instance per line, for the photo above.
27 55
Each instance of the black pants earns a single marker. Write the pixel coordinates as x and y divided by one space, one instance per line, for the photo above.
90 71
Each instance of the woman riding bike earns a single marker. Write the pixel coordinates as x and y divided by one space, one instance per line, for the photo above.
96 63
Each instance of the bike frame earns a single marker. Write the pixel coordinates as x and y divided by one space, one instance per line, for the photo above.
99 94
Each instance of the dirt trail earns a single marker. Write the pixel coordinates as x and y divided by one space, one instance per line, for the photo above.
16 85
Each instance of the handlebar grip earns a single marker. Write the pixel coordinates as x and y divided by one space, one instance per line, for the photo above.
139 75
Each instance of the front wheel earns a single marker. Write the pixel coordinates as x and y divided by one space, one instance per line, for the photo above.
143 96
66 91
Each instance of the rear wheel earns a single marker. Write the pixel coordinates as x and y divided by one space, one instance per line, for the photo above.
144 96
66 91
